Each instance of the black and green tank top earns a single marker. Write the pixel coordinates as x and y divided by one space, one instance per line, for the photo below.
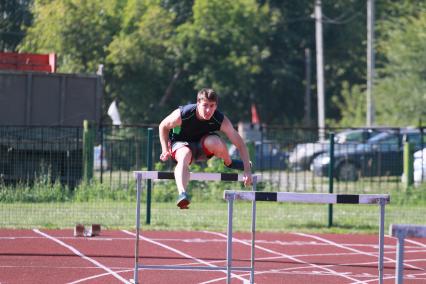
192 128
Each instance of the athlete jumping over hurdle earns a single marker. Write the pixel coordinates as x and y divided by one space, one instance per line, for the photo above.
189 134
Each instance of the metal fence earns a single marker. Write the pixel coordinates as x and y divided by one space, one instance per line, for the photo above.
361 169
29 154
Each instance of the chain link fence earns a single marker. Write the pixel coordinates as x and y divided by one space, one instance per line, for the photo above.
289 159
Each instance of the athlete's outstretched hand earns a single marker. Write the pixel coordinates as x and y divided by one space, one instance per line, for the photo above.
165 155
248 179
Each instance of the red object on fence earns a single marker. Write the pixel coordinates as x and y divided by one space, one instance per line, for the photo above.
28 62
254 116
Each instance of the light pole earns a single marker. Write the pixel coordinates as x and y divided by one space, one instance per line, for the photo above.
320 69
370 63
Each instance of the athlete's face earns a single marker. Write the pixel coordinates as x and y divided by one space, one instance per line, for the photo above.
206 109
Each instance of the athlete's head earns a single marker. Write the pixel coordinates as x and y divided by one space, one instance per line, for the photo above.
206 103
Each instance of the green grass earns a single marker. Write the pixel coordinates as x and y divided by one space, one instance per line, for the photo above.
212 216
48 205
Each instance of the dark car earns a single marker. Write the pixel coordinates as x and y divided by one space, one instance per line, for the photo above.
303 154
268 156
382 155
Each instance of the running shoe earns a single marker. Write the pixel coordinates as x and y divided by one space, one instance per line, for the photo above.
183 201
237 165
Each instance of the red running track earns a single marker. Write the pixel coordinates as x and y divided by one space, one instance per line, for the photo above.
55 256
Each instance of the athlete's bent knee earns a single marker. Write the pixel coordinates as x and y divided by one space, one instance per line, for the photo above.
183 155
214 144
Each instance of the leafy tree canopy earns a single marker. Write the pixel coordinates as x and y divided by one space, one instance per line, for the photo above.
400 92
158 53
223 46
78 31
15 16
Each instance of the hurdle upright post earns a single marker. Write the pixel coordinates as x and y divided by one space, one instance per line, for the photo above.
149 182
330 198
402 231
229 241
399 279
138 222
382 204
331 178
158 175
253 232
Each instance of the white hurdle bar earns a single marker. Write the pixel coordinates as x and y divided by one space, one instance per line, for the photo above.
402 231
322 198
158 175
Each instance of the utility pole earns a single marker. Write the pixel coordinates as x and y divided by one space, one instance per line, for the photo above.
308 117
320 69
370 63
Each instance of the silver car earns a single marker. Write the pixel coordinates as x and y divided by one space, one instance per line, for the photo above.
303 154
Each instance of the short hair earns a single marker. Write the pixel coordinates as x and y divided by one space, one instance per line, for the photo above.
207 94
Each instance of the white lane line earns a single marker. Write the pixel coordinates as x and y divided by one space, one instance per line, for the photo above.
411 276
288 271
59 238
353 250
98 276
349 248
418 250
415 242
294 270
182 253
198 240
77 252
406 261
333 272
61 267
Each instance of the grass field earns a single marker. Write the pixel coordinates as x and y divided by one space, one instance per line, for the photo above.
46 205
208 216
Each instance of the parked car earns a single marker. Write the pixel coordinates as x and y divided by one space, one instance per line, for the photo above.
303 155
382 155
268 156
420 166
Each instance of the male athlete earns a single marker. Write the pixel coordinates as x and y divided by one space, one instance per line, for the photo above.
188 134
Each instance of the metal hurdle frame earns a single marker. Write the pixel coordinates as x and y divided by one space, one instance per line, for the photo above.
401 231
158 175
324 198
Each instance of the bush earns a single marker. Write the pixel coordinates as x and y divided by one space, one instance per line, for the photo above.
43 190
95 191
412 196
40 191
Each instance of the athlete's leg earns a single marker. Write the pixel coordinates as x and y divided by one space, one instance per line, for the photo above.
183 158
214 145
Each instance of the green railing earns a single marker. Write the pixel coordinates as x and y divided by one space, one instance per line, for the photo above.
35 157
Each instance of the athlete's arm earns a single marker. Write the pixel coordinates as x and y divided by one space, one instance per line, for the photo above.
236 139
169 122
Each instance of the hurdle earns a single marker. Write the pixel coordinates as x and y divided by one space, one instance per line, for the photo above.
318 198
402 231
158 175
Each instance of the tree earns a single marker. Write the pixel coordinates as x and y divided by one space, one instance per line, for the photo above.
351 105
78 31
282 82
279 88
141 60
400 91
158 53
223 47
15 15
396 92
